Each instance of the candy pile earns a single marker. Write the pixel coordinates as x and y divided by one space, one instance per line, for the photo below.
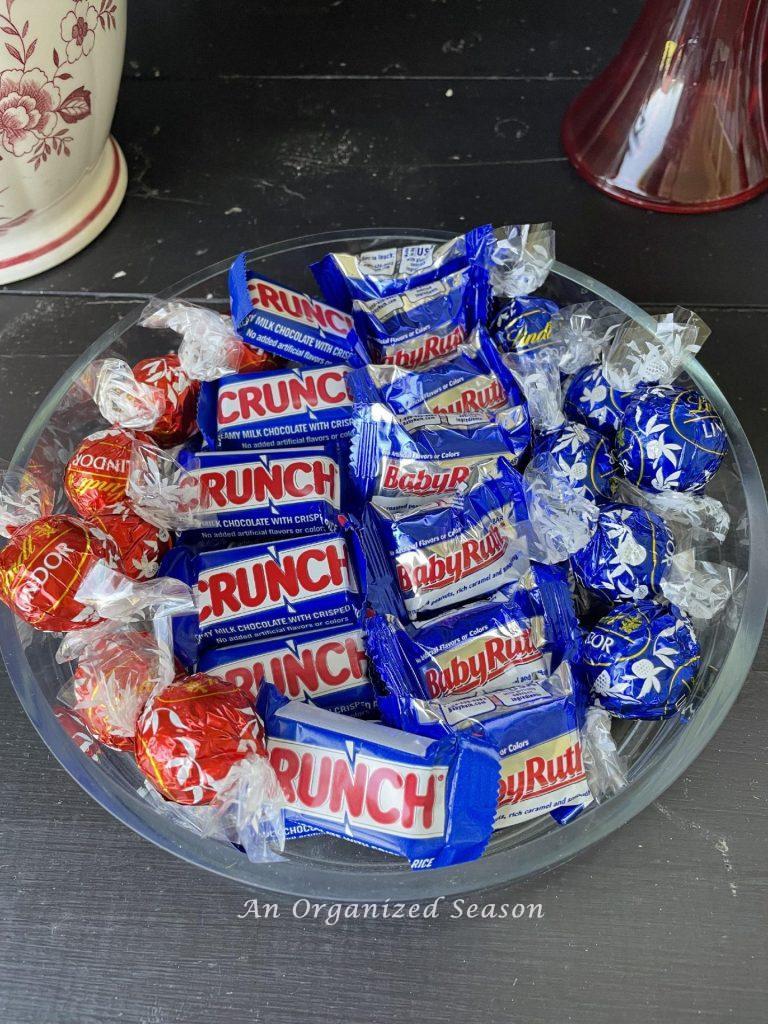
387 565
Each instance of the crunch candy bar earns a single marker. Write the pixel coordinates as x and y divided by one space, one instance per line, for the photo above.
431 801
279 409
289 324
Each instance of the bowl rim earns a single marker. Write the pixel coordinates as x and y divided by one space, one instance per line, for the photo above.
372 882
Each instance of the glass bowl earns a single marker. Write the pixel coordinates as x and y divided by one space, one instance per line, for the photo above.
326 868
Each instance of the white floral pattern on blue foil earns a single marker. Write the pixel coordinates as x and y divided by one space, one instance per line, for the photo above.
641 660
591 400
670 438
627 556
581 455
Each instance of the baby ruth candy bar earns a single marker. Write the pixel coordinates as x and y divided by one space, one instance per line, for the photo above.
474 381
419 326
402 462
279 409
512 638
290 324
453 551
278 493
378 273
328 668
495 669
431 801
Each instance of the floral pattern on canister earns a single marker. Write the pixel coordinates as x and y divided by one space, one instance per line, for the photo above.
38 102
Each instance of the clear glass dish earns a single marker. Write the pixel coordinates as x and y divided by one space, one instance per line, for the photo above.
325 868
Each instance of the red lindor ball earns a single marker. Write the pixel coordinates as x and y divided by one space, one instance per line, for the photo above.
75 728
139 546
178 421
41 568
256 360
112 683
96 476
192 732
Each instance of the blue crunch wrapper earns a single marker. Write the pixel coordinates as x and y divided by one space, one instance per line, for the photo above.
641 660
447 553
285 492
328 668
590 399
278 409
403 462
178 564
627 555
670 438
414 328
431 801
275 589
378 273
583 455
524 324
289 324
474 382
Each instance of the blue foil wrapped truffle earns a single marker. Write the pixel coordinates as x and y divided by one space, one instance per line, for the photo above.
524 324
641 660
670 438
582 455
590 399
627 555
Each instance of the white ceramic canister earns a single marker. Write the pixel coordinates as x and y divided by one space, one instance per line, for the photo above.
62 175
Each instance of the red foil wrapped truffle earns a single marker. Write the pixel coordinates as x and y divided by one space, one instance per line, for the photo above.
178 420
112 684
41 568
96 476
192 732
74 727
256 360
139 546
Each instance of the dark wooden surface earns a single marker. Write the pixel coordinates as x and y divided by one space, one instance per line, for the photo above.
243 125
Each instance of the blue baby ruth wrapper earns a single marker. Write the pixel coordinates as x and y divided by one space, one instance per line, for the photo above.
515 637
403 462
532 722
473 382
378 273
451 552
417 327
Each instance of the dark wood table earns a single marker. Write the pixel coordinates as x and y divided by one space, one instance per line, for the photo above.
244 125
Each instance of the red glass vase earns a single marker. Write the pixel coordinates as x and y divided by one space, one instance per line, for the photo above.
677 122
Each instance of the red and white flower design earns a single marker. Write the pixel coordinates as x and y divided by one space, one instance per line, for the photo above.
36 105
78 30
28 105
